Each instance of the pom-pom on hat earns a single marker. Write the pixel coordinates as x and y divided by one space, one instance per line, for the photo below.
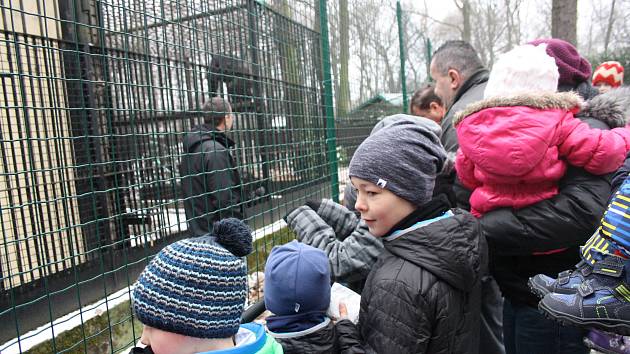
297 280
403 158
197 287
609 72
522 70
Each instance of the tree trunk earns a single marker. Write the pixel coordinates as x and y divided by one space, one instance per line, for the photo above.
464 9
467 33
343 101
611 19
564 20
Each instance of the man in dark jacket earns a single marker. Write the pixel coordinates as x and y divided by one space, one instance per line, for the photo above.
211 184
520 240
460 79
423 293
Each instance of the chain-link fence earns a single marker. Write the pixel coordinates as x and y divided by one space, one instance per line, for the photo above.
96 99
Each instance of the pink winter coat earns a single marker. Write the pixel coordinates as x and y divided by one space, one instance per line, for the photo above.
514 150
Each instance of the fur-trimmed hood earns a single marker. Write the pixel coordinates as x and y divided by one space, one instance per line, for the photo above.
612 107
555 100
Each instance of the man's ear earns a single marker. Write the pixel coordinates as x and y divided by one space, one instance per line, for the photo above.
455 79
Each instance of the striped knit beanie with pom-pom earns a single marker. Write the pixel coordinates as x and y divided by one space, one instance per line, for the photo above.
197 287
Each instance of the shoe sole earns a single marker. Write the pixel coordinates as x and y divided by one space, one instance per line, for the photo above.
604 324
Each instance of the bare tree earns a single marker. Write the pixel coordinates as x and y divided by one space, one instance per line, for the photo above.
611 19
564 20
465 10
343 97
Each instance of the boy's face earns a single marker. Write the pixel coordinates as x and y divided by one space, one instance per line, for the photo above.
379 208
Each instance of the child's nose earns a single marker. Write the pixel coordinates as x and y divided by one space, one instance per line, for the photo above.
145 338
360 205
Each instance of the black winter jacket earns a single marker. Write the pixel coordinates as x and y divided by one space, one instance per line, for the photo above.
423 294
210 179
317 340
565 221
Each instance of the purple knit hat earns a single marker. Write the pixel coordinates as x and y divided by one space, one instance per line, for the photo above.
573 68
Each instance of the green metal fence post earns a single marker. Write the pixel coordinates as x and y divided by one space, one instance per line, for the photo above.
331 139
403 77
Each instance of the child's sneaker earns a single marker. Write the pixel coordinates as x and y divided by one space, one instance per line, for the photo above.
607 343
566 283
601 301
569 280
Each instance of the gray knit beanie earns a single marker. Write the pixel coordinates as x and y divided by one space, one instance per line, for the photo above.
403 158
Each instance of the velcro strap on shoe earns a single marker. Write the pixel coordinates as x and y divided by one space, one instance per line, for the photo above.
610 266
563 277
585 289
586 271
565 273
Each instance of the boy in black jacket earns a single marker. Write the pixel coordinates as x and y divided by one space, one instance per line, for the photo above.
423 294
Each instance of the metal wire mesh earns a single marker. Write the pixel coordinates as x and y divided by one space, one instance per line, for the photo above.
97 96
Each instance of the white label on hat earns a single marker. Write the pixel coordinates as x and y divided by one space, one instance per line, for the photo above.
297 307
381 183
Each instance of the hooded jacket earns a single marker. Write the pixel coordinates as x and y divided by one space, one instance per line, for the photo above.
423 294
513 149
566 220
321 339
210 180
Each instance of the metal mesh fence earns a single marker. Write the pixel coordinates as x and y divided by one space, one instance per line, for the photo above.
96 99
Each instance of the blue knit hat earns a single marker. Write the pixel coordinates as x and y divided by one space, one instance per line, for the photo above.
197 287
297 280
